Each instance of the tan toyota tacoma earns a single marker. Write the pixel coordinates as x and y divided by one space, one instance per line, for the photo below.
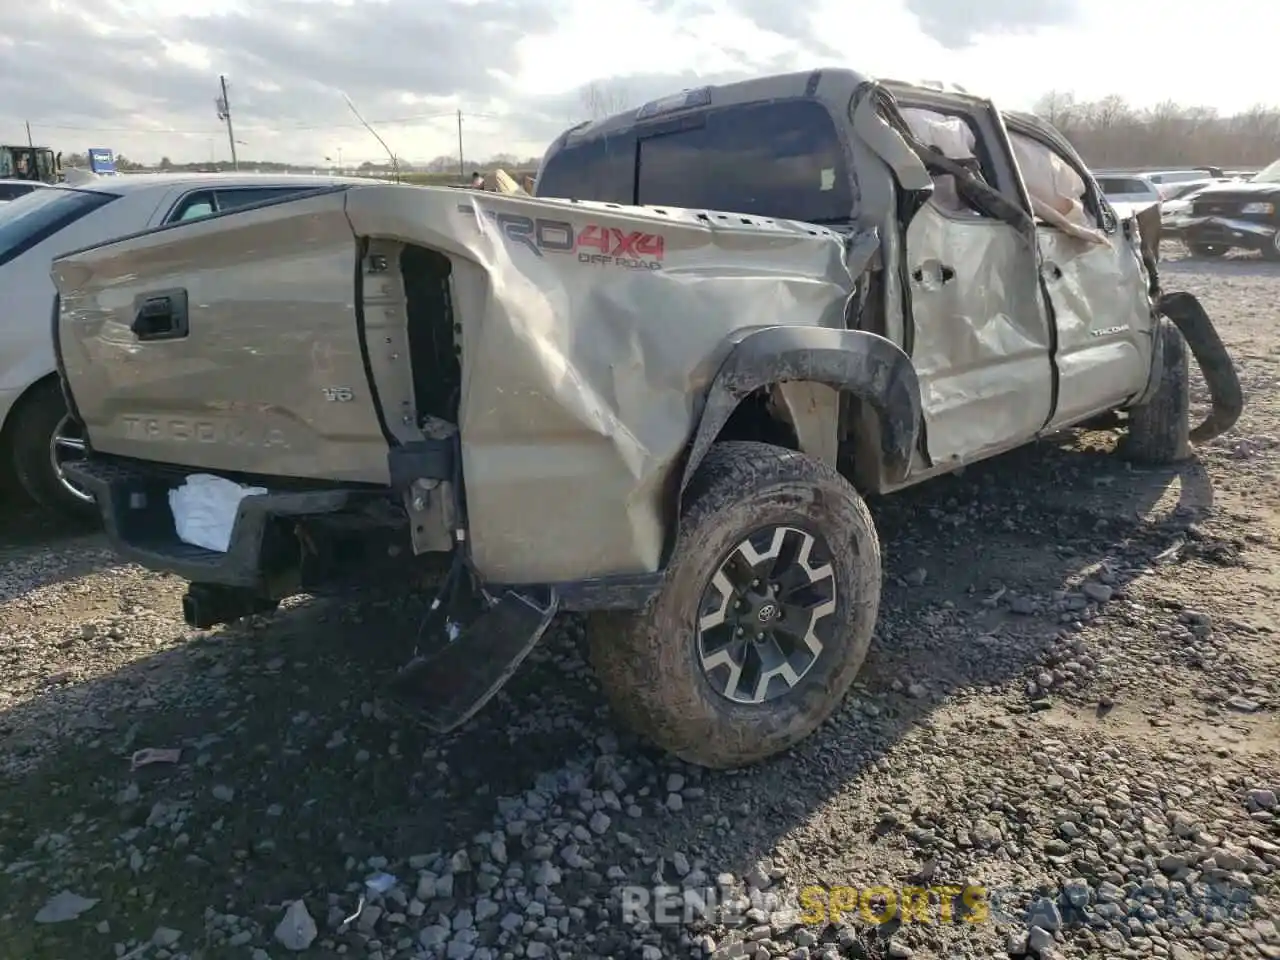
657 392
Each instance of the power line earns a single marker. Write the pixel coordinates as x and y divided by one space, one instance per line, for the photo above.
398 121
41 125
210 134
206 132
385 121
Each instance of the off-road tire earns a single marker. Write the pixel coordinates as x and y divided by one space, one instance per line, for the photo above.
1159 431
35 419
1208 251
648 661
1272 250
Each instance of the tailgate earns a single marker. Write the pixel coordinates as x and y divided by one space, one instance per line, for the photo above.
228 344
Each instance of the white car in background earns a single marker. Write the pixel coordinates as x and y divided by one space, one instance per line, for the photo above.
35 440
1128 188
1168 182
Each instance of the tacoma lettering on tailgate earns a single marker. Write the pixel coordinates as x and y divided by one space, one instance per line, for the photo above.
594 243
178 430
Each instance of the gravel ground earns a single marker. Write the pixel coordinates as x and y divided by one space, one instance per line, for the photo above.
1069 714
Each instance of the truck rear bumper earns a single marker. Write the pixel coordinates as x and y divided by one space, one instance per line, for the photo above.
265 561
134 503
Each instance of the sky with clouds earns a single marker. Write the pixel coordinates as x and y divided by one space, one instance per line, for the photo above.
141 76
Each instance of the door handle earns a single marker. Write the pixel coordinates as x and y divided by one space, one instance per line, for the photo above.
1052 271
160 316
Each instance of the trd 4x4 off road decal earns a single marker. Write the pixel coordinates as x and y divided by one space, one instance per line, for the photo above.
594 244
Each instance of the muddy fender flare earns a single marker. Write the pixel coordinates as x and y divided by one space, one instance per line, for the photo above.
865 364
1225 394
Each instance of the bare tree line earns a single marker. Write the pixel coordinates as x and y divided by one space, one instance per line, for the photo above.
604 98
1112 133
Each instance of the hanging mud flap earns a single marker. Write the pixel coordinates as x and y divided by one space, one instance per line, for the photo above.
1215 364
451 684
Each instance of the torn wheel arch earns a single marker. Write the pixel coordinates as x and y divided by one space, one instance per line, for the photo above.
866 365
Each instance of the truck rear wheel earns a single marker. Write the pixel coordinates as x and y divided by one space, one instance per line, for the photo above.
1159 431
764 617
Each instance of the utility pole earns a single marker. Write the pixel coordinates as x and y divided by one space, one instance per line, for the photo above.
224 113
30 142
462 165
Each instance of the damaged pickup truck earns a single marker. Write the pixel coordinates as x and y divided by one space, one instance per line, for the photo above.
620 398
1227 216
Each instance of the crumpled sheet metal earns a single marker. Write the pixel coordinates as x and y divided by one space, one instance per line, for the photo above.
981 344
1096 287
583 372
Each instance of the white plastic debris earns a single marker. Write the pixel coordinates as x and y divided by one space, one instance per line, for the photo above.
149 755
204 510
353 917
380 883
64 906
296 929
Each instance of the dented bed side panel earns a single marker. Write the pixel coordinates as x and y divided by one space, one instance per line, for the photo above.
591 332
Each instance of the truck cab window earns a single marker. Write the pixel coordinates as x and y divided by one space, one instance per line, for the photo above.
954 137
776 159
